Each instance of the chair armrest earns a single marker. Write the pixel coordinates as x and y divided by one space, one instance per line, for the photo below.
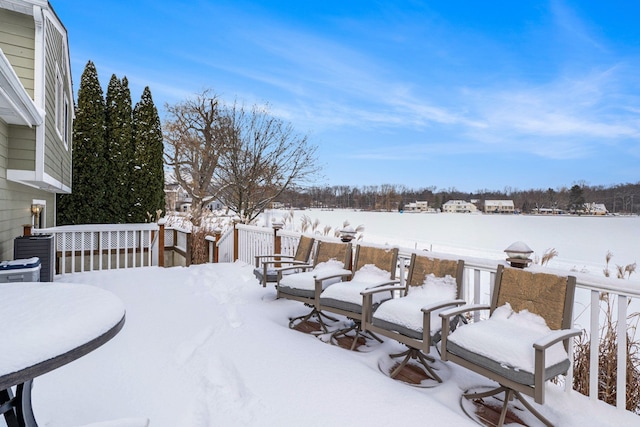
554 337
382 288
344 274
284 261
465 308
441 304
387 285
540 349
294 267
274 255
259 257
303 267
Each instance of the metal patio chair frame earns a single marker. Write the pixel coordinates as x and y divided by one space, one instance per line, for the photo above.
324 251
548 295
418 343
267 266
383 258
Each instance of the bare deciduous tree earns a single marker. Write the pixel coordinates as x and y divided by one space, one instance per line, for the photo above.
194 146
264 156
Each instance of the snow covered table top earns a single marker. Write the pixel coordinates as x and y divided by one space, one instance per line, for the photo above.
47 325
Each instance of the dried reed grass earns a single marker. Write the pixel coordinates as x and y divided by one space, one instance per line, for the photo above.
608 352
199 246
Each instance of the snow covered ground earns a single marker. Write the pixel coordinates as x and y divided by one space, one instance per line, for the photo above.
207 346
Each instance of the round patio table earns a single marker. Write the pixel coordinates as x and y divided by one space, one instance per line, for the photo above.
44 326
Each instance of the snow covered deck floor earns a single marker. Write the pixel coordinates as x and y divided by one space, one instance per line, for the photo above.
207 346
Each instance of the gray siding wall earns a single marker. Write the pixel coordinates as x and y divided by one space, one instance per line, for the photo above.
21 148
57 160
15 201
17 36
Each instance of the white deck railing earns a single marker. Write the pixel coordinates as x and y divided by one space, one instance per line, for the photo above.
226 246
479 276
91 247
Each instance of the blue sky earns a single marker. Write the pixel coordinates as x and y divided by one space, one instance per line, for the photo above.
465 94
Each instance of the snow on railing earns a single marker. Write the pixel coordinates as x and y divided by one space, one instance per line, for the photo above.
91 247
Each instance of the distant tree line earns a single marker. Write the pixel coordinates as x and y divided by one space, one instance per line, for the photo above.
621 198
118 174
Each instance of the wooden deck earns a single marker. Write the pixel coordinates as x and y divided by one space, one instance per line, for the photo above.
487 412
308 327
411 374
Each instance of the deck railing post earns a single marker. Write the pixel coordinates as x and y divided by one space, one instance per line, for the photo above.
26 230
161 223
277 241
188 249
217 233
236 221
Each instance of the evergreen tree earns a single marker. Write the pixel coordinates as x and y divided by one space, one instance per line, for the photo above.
86 203
148 171
576 198
120 150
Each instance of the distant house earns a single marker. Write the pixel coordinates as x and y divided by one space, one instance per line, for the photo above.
422 207
36 117
499 206
547 211
459 206
595 209
178 200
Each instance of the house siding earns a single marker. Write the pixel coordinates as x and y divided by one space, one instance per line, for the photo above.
17 37
21 148
57 154
16 200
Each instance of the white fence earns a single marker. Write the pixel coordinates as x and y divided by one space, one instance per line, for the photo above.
91 247
226 246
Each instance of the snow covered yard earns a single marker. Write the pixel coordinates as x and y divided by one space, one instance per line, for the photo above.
207 346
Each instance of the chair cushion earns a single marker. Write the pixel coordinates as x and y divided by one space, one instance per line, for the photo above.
272 274
402 329
345 296
518 375
504 344
303 284
404 315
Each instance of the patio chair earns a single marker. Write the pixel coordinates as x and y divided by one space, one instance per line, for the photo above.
372 267
432 284
514 347
267 266
331 263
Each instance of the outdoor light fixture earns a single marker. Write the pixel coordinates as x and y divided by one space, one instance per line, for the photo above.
36 210
518 254
347 234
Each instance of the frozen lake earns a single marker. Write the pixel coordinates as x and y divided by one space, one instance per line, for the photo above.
581 242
